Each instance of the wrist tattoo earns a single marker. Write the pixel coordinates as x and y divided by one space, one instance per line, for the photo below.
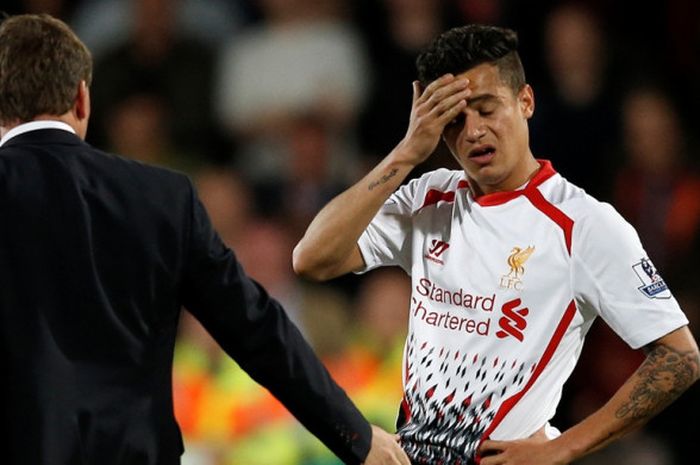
663 376
383 179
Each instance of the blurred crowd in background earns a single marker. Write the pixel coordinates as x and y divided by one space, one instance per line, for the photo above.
275 106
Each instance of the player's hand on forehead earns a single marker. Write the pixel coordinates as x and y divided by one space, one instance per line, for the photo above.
431 110
443 99
445 87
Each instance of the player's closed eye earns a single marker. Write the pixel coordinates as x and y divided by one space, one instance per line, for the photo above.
486 110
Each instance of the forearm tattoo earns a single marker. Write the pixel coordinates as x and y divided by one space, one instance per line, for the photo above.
663 376
383 179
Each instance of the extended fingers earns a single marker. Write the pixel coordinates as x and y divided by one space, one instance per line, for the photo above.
436 85
449 109
449 91
442 88
489 452
489 447
443 99
446 96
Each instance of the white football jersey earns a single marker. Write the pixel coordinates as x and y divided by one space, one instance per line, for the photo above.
504 289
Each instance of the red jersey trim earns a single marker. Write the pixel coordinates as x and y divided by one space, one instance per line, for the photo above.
404 402
545 172
509 403
434 196
559 217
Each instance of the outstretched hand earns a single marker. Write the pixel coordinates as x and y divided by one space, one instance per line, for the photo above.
385 449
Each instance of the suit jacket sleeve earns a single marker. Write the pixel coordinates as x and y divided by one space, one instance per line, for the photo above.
255 331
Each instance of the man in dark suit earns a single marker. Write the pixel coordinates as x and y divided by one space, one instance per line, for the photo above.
97 256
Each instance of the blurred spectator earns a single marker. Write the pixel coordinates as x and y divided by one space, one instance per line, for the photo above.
58 8
382 309
576 123
482 11
301 60
137 128
661 40
158 59
104 24
312 174
263 246
658 187
228 201
395 32
683 26
265 252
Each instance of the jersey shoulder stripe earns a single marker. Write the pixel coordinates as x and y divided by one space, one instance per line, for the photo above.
552 212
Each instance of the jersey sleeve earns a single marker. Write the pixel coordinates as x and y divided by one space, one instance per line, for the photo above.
387 239
613 277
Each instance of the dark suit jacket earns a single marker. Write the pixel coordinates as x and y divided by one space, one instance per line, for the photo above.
97 256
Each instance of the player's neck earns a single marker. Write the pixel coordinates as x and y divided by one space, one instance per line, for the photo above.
519 177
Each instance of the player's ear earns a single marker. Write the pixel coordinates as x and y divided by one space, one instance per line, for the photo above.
526 101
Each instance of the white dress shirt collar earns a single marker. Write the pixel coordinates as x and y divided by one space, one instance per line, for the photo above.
33 126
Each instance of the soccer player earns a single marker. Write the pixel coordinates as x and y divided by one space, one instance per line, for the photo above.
510 265
98 254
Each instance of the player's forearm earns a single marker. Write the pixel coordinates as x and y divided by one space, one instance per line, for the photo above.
671 366
332 236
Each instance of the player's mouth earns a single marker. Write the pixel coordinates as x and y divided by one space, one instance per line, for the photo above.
482 154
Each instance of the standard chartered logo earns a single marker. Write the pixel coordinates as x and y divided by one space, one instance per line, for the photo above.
459 310
513 322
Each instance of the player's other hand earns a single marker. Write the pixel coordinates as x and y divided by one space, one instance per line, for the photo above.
535 450
385 449
431 110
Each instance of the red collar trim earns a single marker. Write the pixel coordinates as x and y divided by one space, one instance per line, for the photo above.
545 172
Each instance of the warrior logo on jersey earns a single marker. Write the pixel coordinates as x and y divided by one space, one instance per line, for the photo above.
653 286
516 262
436 249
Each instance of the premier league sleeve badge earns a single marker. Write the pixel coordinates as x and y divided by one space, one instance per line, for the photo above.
653 286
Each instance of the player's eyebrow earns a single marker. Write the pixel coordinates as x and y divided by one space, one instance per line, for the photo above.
487 98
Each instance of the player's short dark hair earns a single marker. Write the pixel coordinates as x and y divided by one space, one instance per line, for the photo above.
42 62
463 48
